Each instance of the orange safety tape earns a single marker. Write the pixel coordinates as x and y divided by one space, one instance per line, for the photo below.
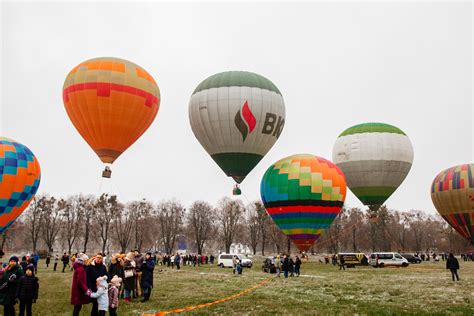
179 310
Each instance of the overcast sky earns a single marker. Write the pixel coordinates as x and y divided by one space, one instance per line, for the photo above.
337 64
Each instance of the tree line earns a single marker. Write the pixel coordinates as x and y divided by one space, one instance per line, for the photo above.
85 223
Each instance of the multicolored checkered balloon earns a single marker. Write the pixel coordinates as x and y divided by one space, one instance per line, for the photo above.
20 176
303 195
452 192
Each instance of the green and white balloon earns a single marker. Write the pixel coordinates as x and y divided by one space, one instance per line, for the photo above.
375 158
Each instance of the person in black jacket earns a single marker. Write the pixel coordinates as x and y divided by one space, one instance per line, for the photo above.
65 260
93 271
453 265
285 266
24 263
27 291
147 276
297 266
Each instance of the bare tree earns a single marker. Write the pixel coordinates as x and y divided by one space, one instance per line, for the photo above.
252 226
199 219
33 218
170 218
51 214
123 225
88 204
106 208
141 213
263 220
72 216
229 214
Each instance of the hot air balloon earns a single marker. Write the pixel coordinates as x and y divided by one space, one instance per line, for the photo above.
303 195
375 158
452 193
111 102
237 116
20 176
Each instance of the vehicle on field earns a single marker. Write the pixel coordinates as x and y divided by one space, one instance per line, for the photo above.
411 258
226 260
268 265
352 259
385 259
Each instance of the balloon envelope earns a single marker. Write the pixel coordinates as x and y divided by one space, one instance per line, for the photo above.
375 158
303 195
237 116
111 102
452 193
20 176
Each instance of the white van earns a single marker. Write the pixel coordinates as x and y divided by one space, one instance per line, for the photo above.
225 260
385 259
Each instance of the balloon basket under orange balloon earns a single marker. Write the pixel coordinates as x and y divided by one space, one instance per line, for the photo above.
107 173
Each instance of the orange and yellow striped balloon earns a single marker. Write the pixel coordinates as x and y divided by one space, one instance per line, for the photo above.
111 102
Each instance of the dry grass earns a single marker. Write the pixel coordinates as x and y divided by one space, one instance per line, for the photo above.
424 289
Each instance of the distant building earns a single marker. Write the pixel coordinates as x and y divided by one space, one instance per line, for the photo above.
240 249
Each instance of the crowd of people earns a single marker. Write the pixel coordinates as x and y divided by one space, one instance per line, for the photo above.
287 265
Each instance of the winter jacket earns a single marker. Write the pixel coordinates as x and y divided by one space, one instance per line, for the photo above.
139 260
298 262
452 264
147 273
115 269
27 288
11 277
286 265
113 296
129 283
93 272
79 285
102 296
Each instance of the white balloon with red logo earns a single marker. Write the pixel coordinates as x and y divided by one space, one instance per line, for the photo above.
237 117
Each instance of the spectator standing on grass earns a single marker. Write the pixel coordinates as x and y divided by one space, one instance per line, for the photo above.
177 261
139 259
297 266
453 265
65 260
342 263
129 275
27 291
114 290
101 295
292 267
36 258
48 260
79 290
8 285
285 266
334 260
94 271
56 260
147 276
278 265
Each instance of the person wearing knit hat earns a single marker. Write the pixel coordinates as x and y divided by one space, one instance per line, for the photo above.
27 291
95 270
114 295
101 295
79 291
8 285
129 277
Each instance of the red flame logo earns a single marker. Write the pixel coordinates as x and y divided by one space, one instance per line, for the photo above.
245 121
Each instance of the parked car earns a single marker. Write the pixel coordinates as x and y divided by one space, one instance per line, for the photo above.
411 258
354 259
269 265
385 259
225 260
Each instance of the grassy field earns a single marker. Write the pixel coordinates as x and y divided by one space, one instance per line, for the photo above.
424 289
